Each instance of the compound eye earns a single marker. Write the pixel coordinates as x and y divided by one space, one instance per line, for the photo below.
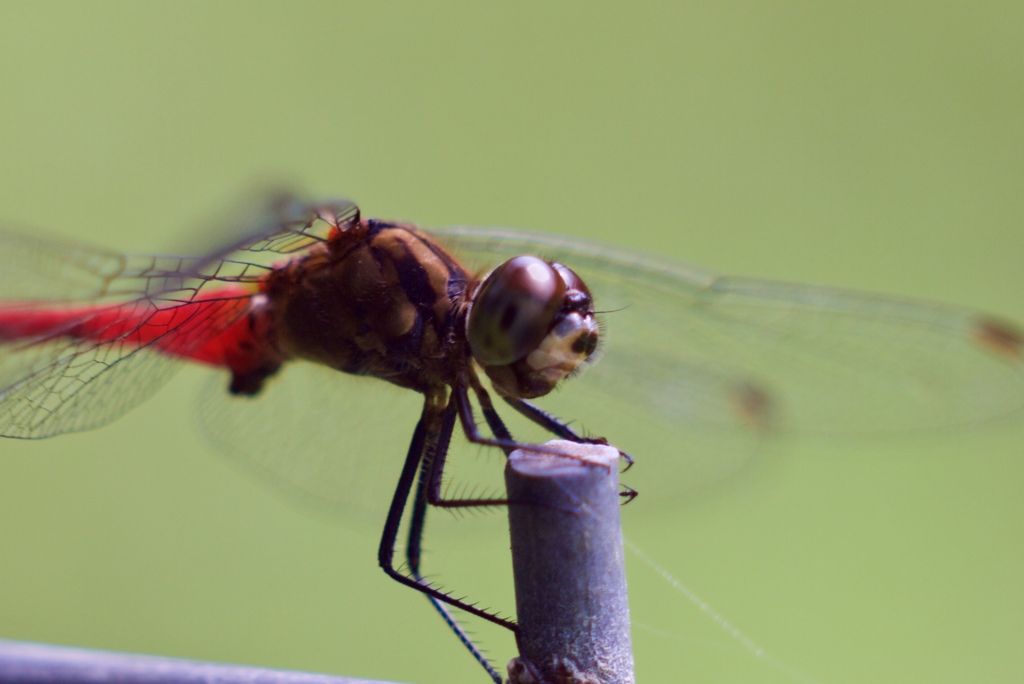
513 310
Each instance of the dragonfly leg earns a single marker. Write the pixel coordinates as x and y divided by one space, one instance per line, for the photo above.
435 469
552 424
494 421
417 523
543 418
502 439
557 426
430 441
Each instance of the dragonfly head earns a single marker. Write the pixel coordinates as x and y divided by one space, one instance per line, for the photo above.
531 324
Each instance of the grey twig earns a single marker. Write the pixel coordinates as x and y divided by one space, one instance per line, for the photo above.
22 662
569 568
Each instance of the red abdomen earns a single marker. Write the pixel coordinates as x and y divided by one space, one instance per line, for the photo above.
212 329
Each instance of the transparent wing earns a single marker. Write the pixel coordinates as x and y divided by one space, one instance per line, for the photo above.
335 442
704 367
706 364
250 243
326 440
51 384
710 350
80 327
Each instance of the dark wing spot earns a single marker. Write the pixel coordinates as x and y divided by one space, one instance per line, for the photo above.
999 337
753 406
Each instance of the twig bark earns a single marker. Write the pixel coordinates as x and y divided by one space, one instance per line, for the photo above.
569 568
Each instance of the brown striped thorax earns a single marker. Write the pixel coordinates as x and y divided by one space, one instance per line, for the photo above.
385 299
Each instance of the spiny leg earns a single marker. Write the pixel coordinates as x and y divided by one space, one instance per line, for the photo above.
430 441
541 417
434 470
494 420
502 438
551 423
413 552
556 426
472 432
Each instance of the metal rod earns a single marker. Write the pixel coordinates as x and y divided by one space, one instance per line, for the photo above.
569 567
23 662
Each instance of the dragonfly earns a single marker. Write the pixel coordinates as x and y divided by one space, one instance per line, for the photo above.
461 315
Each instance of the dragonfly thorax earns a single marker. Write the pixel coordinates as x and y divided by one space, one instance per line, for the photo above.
381 299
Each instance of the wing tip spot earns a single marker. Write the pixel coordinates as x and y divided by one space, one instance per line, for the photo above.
999 337
753 406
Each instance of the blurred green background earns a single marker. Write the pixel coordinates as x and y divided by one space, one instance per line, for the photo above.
870 145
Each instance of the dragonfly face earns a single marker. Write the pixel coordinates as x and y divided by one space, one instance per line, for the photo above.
689 355
531 324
